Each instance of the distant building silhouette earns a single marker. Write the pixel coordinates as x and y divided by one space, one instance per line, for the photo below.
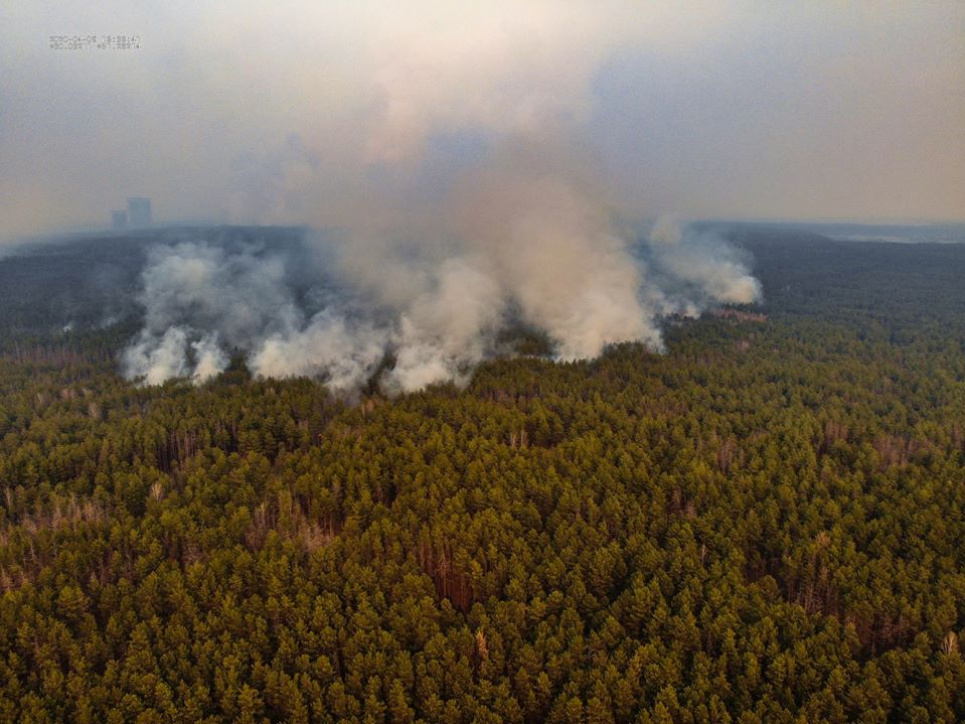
118 220
138 211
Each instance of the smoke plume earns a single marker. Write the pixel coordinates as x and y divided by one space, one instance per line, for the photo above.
467 199
548 258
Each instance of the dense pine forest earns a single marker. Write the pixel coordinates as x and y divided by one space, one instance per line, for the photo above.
764 524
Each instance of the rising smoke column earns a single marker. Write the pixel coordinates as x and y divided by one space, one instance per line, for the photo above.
695 269
548 235
467 199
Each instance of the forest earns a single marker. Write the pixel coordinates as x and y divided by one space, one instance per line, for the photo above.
764 524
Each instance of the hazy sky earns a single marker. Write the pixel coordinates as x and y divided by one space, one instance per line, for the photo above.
325 112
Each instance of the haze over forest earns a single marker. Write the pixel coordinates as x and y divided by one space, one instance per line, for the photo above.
465 168
544 361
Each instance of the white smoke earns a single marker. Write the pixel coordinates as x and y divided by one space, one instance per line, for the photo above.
448 328
240 294
511 222
345 355
551 243
547 258
157 359
709 270
210 359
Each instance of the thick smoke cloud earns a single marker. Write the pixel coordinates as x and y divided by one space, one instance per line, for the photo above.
550 260
475 158
452 148
698 268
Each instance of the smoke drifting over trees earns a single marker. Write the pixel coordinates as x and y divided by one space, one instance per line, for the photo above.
455 150
548 259
467 200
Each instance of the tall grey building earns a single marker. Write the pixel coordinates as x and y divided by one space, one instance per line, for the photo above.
138 211
118 220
